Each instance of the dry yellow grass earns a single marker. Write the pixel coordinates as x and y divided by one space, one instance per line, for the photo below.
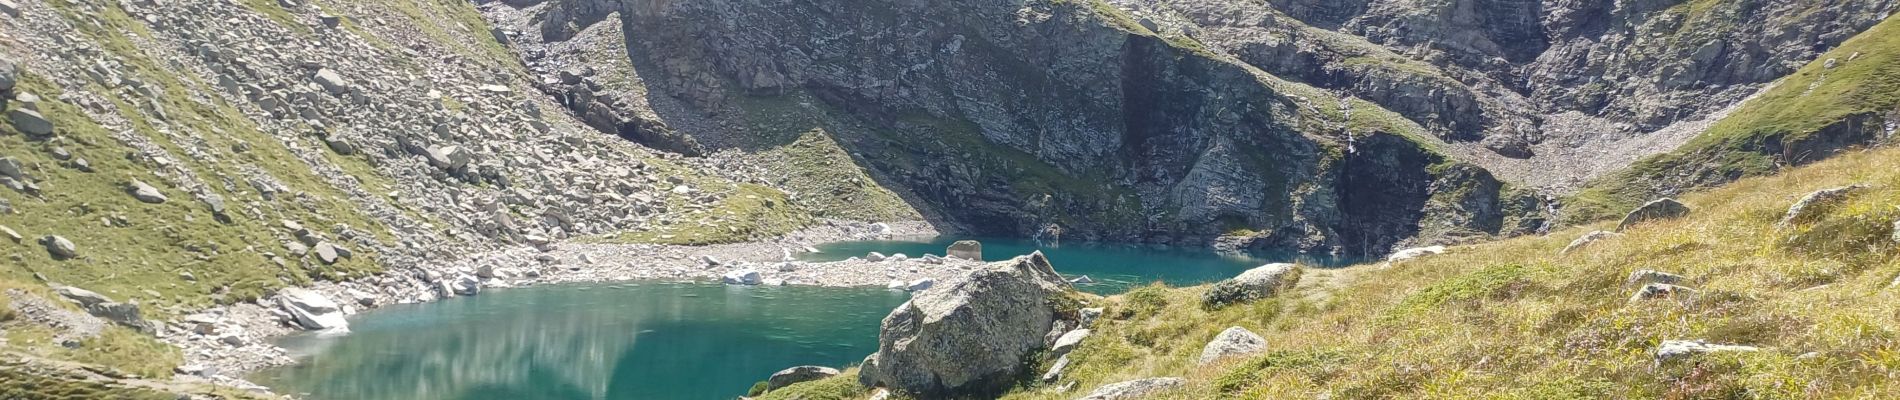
1514 319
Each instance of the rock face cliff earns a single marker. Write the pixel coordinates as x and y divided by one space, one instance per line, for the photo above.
1323 126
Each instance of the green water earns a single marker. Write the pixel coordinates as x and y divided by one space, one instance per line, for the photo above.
595 341
1113 267
663 341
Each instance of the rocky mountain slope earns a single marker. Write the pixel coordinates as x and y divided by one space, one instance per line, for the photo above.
163 157
1317 126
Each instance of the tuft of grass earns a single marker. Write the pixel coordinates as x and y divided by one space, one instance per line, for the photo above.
844 386
1514 319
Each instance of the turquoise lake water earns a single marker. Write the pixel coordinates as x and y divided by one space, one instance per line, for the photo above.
1115 268
595 341
662 341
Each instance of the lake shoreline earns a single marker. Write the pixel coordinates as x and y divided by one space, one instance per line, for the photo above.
241 338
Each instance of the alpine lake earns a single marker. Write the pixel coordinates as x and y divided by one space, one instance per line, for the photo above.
661 341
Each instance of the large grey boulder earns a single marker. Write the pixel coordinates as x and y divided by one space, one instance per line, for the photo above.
449 157
965 249
1258 283
804 373
331 81
9 73
145 193
59 247
1812 205
99 305
1134 389
311 310
30 122
1235 341
1659 209
970 335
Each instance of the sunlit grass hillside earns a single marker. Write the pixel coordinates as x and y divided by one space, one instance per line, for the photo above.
1515 319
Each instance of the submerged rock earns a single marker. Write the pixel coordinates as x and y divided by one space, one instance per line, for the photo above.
803 373
970 334
1258 283
1133 389
1235 341
1659 209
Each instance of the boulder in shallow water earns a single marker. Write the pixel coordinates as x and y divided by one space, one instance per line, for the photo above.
1659 209
1134 389
743 277
1258 283
803 373
1235 341
311 310
965 249
970 334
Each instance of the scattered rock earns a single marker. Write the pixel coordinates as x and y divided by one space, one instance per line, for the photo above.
1648 276
1659 209
806 373
1134 389
331 81
874 257
743 277
1416 252
1662 291
1055 369
145 193
60 247
1587 239
1671 351
1258 283
965 249
1235 341
30 122
311 310
1812 205
1088 315
450 158
1507 145
971 333
919 284
327 253
1067 342
10 234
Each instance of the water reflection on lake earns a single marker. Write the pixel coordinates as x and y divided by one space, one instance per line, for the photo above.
597 341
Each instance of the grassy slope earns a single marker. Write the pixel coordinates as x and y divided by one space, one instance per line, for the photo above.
1513 319
1812 98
